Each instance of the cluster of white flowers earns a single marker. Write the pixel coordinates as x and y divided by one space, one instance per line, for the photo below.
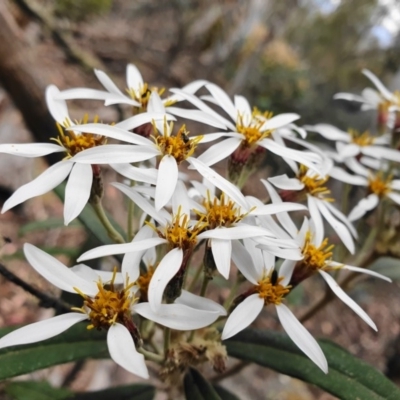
273 252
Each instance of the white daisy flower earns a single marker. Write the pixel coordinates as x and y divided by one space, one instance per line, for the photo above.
249 130
70 142
138 95
96 298
170 149
372 99
269 288
354 143
317 258
313 186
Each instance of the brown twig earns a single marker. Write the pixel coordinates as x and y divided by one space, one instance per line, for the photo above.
45 300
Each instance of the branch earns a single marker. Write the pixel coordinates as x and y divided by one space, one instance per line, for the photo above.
45 300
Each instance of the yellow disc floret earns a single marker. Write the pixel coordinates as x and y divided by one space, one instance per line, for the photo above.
142 95
144 281
219 212
252 132
271 290
316 258
314 184
109 305
361 139
379 185
179 146
75 142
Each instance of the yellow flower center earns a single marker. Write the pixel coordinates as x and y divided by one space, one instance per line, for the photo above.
379 185
179 233
314 184
179 146
252 132
219 212
142 95
271 290
75 142
361 139
316 258
108 306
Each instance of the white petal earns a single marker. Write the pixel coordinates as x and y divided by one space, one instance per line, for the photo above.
283 217
56 272
57 108
357 167
210 137
288 254
378 84
77 191
371 96
196 115
116 132
361 270
394 196
286 271
144 204
341 175
219 151
83 93
316 218
269 209
199 303
115 153
329 132
111 249
242 106
382 152
279 120
235 232
45 182
257 255
41 330
242 259
301 337
395 184
167 179
340 216
139 174
349 97
364 205
133 77
303 157
348 150
177 316
131 262
166 270
243 315
144 118
30 149
118 99
123 351
221 251
340 228
286 183
223 100
155 103
347 299
107 82
226 187
203 107
181 200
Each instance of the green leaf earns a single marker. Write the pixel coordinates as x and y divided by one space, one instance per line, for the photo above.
388 266
75 344
225 394
90 221
349 378
129 392
36 391
197 387
33 390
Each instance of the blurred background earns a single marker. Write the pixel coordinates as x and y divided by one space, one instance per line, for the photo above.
284 56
